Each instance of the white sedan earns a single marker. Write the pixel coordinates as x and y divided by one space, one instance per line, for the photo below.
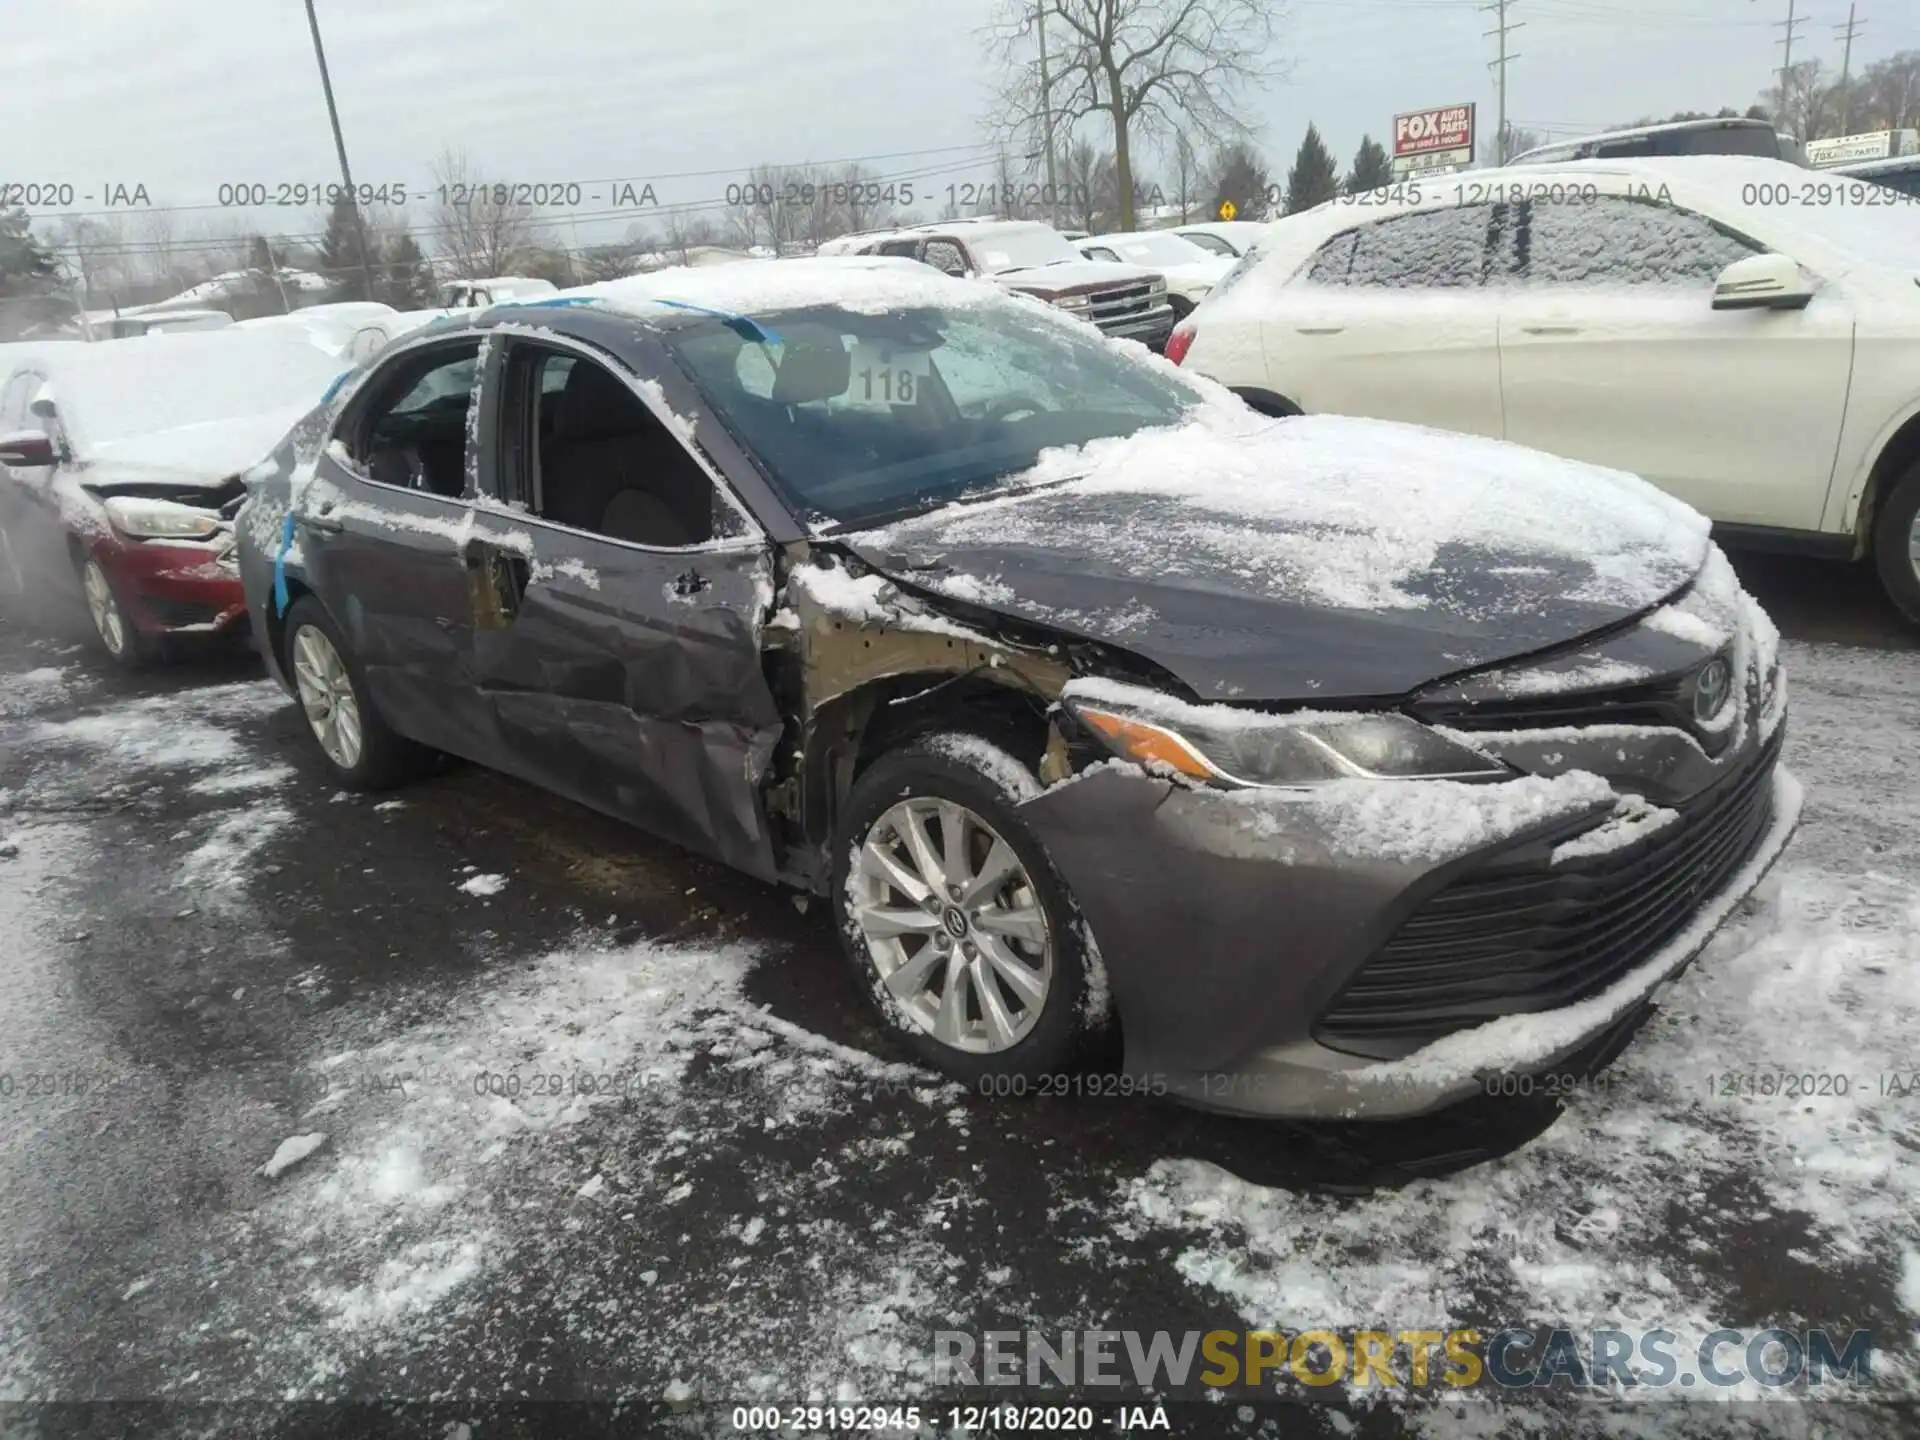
1191 272
1742 332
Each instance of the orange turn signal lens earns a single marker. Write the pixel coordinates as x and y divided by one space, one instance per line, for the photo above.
1148 744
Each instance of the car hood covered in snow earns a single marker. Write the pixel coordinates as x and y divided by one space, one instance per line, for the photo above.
1310 558
1072 275
207 453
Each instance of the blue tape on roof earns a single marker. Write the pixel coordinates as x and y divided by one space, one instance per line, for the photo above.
334 388
771 337
558 303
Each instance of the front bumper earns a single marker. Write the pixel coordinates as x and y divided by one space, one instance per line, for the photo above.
175 589
1225 948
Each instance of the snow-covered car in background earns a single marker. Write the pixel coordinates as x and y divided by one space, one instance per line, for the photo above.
1722 135
330 327
374 336
120 472
1231 238
1743 333
155 322
477 294
1190 271
1339 763
1125 301
1900 174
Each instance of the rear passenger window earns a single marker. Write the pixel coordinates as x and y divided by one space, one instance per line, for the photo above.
413 432
1432 250
1616 241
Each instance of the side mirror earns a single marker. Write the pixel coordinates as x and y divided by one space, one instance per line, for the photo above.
26 450
1762 282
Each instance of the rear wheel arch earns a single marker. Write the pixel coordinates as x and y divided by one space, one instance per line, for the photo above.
1896 459
275 621
1267 402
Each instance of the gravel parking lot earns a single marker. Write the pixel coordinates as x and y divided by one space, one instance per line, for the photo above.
604 1122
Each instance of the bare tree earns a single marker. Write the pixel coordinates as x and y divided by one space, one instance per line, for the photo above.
159 245
480 229
1189 181
1089 178
94 252
1886 96
866 204
1145 66
685 233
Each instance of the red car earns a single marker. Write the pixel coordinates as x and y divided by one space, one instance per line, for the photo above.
120 473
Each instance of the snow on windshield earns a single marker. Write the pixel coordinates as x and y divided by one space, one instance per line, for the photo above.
117 389
1331 510
1021 249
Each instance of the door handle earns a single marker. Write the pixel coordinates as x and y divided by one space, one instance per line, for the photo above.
1550 329
1320 329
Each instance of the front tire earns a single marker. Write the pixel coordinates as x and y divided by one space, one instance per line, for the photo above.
113 626
954 920
361 749
1896 545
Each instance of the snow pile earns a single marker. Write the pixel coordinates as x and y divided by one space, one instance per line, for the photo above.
33 690
484 885
1329 510
192 730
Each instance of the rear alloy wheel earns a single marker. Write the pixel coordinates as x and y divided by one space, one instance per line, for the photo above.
1896 545
360 748
123 642
954 919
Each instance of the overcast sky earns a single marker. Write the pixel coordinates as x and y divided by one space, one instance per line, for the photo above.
182 97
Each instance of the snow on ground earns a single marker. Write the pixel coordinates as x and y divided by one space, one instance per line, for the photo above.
1689 1136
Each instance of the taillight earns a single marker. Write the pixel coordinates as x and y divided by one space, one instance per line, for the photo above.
1180 341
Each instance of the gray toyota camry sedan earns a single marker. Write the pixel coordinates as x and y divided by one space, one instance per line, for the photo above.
1332 767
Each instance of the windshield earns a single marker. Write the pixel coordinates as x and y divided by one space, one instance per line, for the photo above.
864 418
1020 249
1155 249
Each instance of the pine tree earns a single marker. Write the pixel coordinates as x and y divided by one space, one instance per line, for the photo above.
25 267
1370 167
1314 176
340 251
406 278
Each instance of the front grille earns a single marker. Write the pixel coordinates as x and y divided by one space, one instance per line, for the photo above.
1129 302
174 614
1667 703
1519 934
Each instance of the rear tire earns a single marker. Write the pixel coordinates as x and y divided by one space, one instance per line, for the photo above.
360 748
983 971
1896 545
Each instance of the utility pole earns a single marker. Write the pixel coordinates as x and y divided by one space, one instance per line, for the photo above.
1846 32
340 148
1046 112
1499 67
1790 24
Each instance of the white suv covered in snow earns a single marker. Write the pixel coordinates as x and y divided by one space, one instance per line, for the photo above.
1742 332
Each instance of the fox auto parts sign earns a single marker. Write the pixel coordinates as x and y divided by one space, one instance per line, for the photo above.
1437 139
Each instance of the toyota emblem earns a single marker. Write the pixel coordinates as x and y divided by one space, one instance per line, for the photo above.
1711 687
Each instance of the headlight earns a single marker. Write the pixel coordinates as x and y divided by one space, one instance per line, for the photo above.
1074 302
1247 749
160 519
1158 287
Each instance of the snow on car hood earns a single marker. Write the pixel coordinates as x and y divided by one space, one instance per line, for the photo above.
205 453
1307 558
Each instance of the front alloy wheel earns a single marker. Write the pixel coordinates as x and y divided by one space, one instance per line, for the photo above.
954 925
326 694
955 921
124 644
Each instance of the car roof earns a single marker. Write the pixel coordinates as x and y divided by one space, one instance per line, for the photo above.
1886 165
1635 132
